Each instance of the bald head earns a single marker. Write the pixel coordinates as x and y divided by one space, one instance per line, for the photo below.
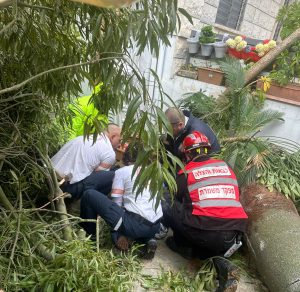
174 115
113 133
176 119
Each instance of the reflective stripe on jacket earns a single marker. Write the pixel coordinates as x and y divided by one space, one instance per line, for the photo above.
213 190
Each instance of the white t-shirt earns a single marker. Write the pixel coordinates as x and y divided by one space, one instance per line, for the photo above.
141 205
78 158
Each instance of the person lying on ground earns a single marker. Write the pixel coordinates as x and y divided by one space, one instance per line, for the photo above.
183 123
131 217
85 164
207 217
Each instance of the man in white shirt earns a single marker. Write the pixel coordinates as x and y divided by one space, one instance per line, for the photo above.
130 217
85 164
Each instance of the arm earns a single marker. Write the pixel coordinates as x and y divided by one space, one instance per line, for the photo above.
117 196
182 189
103 166
118 188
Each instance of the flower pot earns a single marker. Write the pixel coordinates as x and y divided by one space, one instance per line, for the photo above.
209 75
289 93
252 56
193 44
206 49
188 73
220 49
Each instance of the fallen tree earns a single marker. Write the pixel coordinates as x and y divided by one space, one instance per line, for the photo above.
273 237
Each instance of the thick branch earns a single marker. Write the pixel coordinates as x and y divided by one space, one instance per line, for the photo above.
58 194
44 252
271 56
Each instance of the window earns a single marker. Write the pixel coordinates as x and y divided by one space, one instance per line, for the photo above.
230 13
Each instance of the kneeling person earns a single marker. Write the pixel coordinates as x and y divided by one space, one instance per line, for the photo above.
130 217
206 216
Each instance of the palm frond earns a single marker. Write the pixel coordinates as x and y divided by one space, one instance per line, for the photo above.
253 119
234 73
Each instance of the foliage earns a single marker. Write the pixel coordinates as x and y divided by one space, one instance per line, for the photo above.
27 238
287 65
183 281
47 49
207 35
86 271
237 117
189 67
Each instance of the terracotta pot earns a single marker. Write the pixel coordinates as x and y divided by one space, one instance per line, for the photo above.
290 91
209 75
188 73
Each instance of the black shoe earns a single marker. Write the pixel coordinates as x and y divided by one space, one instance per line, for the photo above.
147 252
184 251
230 286
162 233
228 275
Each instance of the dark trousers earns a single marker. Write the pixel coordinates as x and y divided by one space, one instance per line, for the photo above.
206 243
97 180
134 226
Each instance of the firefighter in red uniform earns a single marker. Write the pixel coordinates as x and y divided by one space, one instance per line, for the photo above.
206 217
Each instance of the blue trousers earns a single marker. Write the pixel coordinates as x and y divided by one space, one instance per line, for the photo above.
97 180
125 223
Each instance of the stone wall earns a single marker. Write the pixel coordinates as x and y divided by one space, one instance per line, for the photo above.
259 19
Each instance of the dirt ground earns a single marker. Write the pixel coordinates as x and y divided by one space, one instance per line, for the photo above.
168 260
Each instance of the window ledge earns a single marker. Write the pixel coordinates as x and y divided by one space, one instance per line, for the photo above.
226 29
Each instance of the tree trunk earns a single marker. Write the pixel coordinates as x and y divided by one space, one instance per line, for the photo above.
271 56
273 237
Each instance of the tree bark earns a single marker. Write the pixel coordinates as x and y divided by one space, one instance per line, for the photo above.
273 237
271 56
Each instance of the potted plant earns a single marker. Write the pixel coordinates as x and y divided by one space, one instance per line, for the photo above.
239 49
285 75
193 43
220 49
207 39
210 75
188 71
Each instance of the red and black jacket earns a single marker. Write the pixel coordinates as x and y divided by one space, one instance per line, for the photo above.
209 192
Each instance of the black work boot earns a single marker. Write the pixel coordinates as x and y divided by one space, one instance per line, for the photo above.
185 251
147 251
228 275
